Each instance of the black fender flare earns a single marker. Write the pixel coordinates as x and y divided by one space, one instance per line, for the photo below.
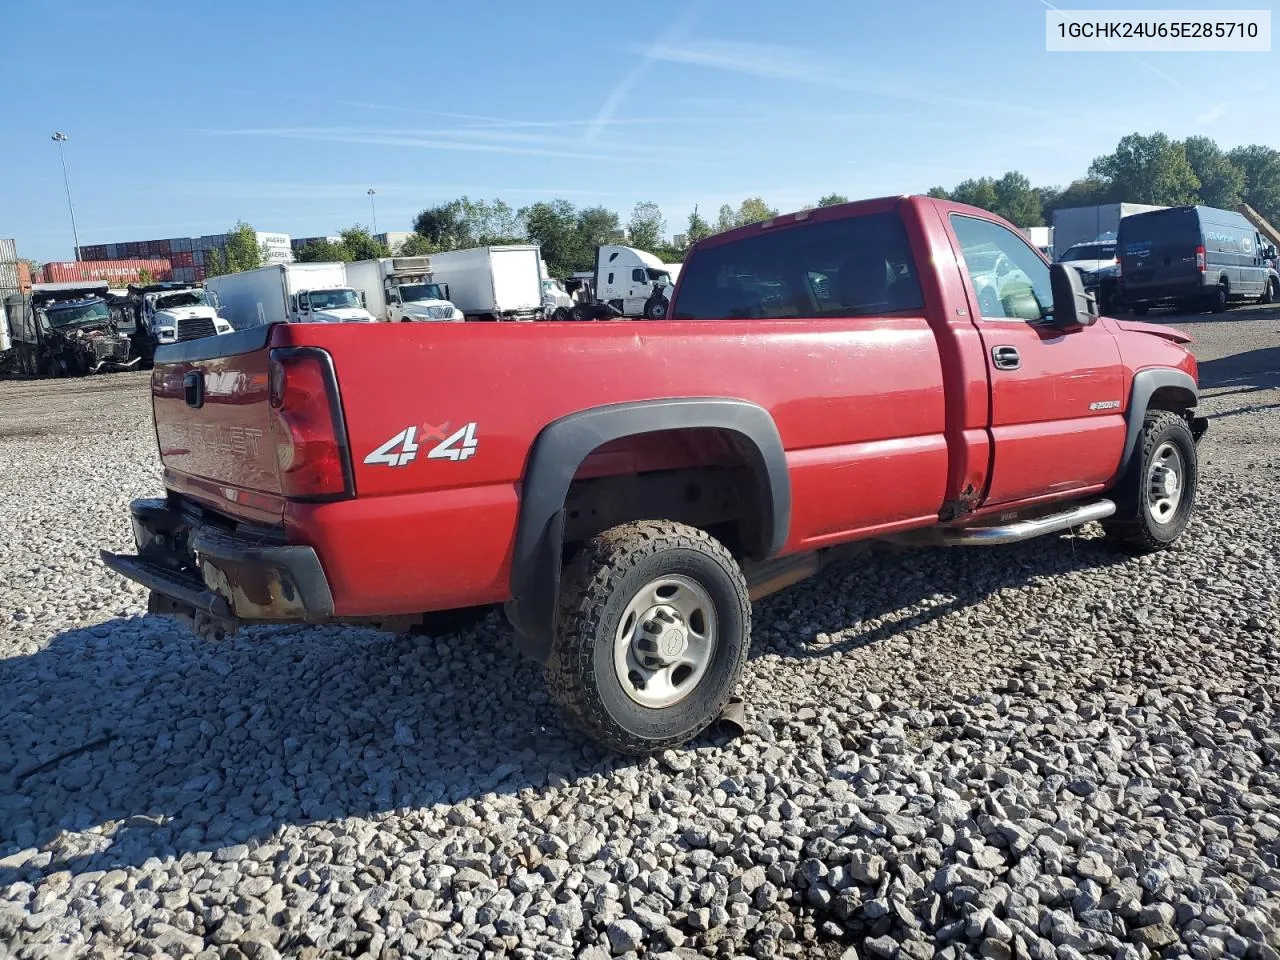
559 450
1145 385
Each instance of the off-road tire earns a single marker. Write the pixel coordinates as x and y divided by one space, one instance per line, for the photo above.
1132 526
595 589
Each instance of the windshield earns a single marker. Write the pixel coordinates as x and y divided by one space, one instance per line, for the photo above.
333 299
187 298
660 276
1090 251
413 292
78 313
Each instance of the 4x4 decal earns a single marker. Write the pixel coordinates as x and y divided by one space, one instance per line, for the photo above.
402 449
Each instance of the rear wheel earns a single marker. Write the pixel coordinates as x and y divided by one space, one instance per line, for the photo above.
1157 495
652 637
1219 298
578 313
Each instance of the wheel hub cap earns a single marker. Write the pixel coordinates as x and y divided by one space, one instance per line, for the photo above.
1164 483
665 641
661 637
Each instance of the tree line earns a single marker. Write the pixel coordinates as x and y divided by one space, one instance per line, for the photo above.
1142 169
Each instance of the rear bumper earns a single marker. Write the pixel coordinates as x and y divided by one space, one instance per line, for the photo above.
225 575
1167 291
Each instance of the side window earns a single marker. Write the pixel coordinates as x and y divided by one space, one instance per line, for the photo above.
637 276
1008 277
857 266
611 279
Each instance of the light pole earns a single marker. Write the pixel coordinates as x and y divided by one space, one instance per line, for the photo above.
373 206
62 138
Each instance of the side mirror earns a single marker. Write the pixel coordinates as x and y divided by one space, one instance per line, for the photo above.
1073 307
362 300
444 288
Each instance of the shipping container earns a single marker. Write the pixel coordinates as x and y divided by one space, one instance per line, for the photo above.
8 251
24 276
197 257
200 274
9 278
118 273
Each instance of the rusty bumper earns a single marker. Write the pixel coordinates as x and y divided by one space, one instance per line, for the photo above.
252 577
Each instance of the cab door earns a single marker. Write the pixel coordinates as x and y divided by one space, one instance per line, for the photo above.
1057 398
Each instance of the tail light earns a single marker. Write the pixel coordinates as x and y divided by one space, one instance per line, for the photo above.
307 426
1199 258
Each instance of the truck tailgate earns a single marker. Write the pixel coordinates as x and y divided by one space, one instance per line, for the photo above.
213 425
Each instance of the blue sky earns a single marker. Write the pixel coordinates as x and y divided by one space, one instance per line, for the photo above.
184 117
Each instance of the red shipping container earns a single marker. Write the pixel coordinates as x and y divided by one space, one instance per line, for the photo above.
24 276
117 273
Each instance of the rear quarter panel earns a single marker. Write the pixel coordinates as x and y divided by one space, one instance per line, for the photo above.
859 404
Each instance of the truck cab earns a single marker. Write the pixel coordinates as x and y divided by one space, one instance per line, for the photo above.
329 305
181 312
632 281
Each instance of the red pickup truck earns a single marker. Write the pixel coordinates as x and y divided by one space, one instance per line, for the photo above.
897 368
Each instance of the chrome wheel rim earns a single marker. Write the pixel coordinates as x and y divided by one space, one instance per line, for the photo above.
1166 482
665 640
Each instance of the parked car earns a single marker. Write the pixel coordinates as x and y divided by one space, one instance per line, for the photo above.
1194 258
823 380
1098 267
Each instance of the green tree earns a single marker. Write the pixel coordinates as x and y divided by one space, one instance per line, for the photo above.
833 199
241 252
596 225
322 251
553 225
697 229
726 219
416 245
1016 201
646 226
492 222
1221 181
979 193
361 245
753 210
1148 169
1261 167
145 277
938 193
1085 192
443 225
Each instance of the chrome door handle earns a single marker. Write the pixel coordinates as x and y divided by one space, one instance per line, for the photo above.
1006 358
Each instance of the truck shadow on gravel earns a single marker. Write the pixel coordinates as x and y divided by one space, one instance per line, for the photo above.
132 739
1246 372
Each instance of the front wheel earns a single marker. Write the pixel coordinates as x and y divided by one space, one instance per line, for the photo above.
1157 495
1271 292
656 309
652 637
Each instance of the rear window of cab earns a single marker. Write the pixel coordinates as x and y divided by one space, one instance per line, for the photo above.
850 267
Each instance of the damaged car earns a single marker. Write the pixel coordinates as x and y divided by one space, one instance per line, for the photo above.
67 330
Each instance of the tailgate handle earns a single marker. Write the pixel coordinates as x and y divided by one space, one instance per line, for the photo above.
193 388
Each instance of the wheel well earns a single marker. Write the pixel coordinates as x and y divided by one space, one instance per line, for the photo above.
1176 398
719 488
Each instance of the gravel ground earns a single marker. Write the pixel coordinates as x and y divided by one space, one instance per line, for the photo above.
1047 750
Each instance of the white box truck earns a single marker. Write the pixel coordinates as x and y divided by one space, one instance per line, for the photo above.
288 293
493 283
402 289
